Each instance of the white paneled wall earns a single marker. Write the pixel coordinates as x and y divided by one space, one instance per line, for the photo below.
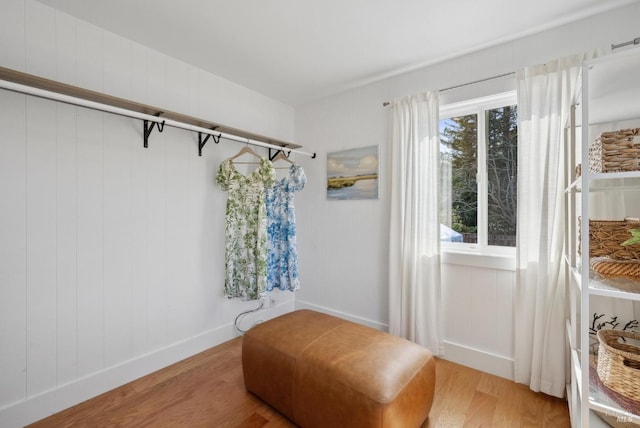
13 260
478 317
111 255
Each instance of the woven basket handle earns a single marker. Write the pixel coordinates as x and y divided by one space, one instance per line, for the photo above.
631 355
631 364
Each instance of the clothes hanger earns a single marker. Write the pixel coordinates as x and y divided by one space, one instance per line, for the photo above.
245 150
282 156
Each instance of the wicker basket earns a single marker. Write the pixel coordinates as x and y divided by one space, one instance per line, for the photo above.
611 268
625 403
616 151
619 362
606 237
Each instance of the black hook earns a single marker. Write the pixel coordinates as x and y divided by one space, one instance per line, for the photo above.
314 155
202 142
148 128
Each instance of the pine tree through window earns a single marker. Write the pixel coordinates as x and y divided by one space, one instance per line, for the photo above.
479 159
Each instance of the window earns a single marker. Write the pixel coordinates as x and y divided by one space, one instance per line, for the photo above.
478 184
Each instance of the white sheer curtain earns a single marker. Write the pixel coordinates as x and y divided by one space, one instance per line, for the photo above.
545 95
414 232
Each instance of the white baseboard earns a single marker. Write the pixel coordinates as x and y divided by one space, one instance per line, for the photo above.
480 360
47 403
64 396
350 317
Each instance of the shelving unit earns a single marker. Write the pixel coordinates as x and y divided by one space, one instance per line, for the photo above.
610 101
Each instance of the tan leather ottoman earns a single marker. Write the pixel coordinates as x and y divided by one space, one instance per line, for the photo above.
323 371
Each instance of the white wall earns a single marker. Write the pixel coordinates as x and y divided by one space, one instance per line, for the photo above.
111 255
344 267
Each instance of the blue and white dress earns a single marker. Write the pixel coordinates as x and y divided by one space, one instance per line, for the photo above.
282 257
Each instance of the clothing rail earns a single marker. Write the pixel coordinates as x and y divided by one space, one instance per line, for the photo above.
161 118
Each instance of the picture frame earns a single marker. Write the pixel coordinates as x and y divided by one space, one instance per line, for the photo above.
353 173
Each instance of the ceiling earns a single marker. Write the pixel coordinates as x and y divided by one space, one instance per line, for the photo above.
296 51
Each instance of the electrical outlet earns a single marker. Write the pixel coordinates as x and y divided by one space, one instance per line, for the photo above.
268 301
264 300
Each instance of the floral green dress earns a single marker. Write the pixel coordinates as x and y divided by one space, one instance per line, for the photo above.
246 228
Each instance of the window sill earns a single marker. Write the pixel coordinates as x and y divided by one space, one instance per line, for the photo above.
483 260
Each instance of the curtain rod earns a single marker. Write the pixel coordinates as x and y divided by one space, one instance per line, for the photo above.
80 102
386 103
635 41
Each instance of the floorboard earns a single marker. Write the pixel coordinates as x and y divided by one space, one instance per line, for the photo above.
207 390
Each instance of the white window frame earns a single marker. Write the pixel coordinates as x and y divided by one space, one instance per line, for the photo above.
478 106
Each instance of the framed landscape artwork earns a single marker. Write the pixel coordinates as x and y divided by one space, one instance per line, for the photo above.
353 174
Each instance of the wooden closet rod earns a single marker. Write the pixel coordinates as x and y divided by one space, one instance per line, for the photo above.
29 84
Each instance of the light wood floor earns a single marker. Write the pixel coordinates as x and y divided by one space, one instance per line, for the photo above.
207 390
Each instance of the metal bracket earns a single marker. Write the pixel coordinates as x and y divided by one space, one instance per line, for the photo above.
274 152
203 141
148 128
